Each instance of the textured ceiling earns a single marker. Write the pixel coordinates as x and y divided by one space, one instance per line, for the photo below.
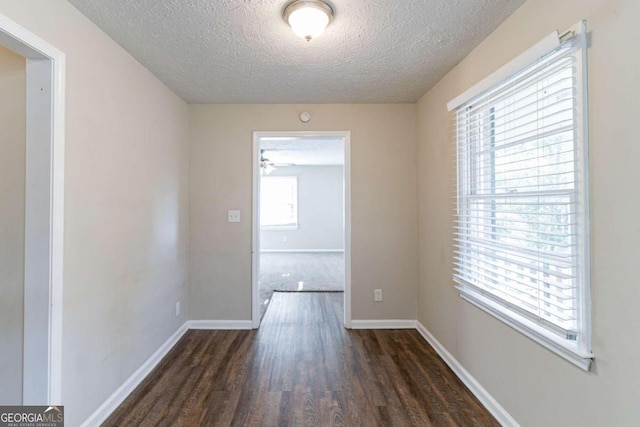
241 51
304 151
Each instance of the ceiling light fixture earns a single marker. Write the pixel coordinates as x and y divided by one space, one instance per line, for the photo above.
308 18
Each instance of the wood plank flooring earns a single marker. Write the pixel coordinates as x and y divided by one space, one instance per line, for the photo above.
302 368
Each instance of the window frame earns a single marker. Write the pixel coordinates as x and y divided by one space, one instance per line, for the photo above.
275 227
579 352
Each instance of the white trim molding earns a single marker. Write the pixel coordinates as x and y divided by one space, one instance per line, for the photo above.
255 240
223 325
117 397
533 53
530 330
384 324
44 213
492 405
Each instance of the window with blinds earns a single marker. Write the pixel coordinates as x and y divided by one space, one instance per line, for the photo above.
521 238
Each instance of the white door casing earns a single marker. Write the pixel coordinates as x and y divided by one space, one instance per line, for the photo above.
255 245
44 213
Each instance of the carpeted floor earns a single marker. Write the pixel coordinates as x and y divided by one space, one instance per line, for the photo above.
299 272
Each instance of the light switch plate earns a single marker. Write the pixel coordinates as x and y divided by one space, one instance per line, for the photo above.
233 216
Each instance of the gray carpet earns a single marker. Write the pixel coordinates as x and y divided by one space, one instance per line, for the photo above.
299 272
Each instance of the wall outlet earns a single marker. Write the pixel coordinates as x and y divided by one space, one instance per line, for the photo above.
178 308
233 216
377 295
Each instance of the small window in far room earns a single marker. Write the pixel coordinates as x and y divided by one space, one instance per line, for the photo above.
279 202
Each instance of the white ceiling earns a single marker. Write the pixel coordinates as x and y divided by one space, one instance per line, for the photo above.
241 51
304 151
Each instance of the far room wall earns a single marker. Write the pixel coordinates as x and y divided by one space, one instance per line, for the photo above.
13 81
320 211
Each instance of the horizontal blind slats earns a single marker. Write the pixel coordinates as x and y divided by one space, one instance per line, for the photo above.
461 220
520 194
480 228
527 295
522 130
539 111
521 140
542 256
567 332
508 150
548 216
558 287
503 234
531 305
522 81
463 251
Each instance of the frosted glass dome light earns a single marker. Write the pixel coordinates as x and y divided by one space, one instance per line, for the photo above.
308 18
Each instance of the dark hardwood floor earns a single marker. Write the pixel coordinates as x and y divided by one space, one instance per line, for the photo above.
302 368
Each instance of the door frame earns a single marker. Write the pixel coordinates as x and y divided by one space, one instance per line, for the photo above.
44 213
255 245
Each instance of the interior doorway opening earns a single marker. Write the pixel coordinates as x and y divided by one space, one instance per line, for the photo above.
43 195
301 216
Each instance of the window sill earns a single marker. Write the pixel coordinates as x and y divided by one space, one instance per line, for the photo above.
529 329
278 227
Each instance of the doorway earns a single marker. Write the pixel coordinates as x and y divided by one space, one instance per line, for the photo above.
301 216
43 214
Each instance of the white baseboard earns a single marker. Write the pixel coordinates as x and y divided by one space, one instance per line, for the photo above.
117 397
492 405
383 324
300 250
220 324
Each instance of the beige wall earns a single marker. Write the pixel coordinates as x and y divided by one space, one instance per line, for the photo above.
537 387
384 210
126 190
12 181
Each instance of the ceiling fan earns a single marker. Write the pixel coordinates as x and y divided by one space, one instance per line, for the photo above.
267 166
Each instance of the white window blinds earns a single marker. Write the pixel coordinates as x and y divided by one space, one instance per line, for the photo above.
521 237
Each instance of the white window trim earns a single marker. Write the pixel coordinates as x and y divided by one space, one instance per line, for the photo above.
528 328
574 354
533 53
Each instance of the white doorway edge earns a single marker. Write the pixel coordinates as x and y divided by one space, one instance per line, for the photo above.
255 240
42 379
